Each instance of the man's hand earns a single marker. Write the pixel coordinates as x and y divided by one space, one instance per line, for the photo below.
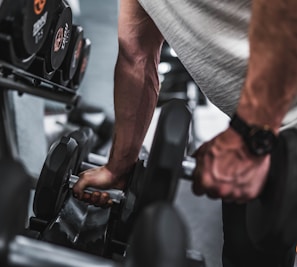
100 178
226 169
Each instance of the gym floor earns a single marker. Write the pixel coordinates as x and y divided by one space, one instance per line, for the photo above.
201 215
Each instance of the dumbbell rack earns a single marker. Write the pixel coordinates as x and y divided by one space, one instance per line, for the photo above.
14 78
17 79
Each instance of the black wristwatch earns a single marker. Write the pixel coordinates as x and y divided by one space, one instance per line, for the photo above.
259 140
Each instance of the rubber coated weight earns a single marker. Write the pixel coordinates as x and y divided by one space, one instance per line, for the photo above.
82 64
71 60
14 194
59 38
160 238
84 138
272 217
167 153
102 126
52 188
34 25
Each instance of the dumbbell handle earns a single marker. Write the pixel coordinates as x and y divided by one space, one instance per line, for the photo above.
115 195
188 166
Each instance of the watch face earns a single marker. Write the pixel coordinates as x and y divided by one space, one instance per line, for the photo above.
261 141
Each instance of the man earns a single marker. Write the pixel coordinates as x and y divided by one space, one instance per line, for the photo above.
243 55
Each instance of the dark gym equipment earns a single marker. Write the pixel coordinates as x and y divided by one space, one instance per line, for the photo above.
165 161
272 217
14 192
36 22
82 65
68 68
56 179
71 61
86 115
54 50
155 232
24 29
158 174
17 250
52 187
20 251
61 38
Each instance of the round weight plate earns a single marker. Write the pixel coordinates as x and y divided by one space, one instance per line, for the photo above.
37 19
83 138
14 194
83 63
166 155
272 217
70 63
61 38
52 188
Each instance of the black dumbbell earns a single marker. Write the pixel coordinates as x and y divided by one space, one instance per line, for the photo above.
18 250
54 50
14 194
155 181
153 235
31 25
24 26
103 125
69 66
82 64
56 179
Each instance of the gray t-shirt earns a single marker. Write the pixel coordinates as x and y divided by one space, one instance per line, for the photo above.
211 40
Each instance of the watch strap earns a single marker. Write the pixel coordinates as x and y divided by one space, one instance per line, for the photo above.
239 125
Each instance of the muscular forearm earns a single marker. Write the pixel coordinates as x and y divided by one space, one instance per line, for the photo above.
136 84
271 81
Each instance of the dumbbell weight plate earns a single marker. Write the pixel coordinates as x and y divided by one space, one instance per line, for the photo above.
84 139
71 61
156 180
52 187
37 19
82 64
167 153
60 39
14 194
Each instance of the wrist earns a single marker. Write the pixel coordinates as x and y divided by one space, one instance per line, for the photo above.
259 139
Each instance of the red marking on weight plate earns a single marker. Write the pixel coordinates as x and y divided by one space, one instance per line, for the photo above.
39 6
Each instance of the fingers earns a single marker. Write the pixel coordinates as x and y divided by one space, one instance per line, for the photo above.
98 199
98 178
78 188
228 172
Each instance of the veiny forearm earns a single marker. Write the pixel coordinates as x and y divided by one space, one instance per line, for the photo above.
136 84
271 81
136 87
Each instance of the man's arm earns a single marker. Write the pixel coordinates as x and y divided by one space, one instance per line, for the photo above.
136 88
136 84
271 81
226 168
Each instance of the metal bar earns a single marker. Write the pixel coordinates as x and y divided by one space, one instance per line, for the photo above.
97 159
9 84
115 195
8 146
26 252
